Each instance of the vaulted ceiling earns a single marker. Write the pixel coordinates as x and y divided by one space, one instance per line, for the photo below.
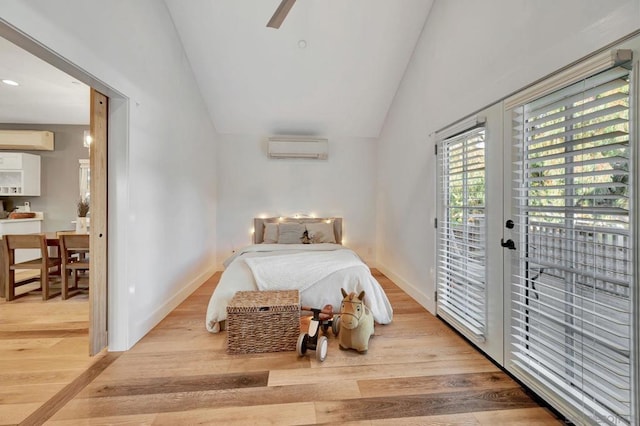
331 69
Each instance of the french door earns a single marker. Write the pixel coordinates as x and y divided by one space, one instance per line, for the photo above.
469 263
572 280
536 236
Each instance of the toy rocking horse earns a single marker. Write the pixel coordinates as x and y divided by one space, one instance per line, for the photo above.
356 323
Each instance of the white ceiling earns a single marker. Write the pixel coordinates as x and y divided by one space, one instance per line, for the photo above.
254 79
257 80
45 95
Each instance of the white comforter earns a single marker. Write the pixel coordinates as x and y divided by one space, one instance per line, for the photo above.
318 286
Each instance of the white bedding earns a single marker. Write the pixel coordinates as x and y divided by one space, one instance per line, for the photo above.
353 275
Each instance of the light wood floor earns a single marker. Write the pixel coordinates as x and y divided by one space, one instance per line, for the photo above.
43 348
417 372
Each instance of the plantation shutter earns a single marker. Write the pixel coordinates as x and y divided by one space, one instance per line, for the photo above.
571 295
461 289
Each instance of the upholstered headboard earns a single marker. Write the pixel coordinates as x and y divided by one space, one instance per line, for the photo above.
258 225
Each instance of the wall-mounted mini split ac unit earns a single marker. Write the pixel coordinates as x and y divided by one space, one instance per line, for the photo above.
298 147
26 139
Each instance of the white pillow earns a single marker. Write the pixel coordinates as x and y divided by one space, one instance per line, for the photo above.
270 235
321 232
290 233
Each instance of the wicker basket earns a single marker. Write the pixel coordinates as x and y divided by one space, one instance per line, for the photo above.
263 321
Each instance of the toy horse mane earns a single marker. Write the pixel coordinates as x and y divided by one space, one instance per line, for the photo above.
348 297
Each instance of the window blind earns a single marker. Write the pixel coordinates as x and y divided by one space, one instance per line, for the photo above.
571 295
461 231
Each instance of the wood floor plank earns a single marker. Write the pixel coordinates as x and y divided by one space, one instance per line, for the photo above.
379 371
515 417
463 419
535 416
21 346
396 350
180 384
67 351
36 331
283 414
58 363
137 420
21 377
422 405
183 402
279 361
157 365
436 384
188 342
14 414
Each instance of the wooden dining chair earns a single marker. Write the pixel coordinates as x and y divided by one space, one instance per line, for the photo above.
37 243
74 251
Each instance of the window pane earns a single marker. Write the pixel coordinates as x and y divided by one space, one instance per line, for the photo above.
571 295
461 236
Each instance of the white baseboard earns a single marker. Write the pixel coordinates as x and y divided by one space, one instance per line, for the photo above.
412 290
141 329
372 264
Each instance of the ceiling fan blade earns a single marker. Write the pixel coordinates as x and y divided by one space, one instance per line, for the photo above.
280 13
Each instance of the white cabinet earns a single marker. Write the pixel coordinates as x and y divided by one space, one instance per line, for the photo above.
19 174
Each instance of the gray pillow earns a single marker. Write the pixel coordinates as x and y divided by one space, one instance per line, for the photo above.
321 232
270 235
290 233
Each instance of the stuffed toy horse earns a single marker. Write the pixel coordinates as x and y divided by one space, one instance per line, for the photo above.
356 323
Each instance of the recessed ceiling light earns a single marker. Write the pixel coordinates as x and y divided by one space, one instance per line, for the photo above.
302 44
10 82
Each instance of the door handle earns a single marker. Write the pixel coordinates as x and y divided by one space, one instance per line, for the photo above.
508 244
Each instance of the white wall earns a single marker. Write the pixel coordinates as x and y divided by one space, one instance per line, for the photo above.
252 185
166 190
470 55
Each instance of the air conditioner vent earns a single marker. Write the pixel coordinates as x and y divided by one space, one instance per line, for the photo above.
298 147
26 139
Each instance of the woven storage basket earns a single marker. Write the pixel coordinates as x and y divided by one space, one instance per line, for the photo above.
263 321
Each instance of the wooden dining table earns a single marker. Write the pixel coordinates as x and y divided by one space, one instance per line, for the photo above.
53 238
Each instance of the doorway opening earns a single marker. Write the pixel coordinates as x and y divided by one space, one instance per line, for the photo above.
109 126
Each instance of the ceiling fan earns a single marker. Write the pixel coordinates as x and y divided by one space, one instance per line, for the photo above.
280 13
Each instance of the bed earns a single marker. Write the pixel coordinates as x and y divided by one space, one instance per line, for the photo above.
303 254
